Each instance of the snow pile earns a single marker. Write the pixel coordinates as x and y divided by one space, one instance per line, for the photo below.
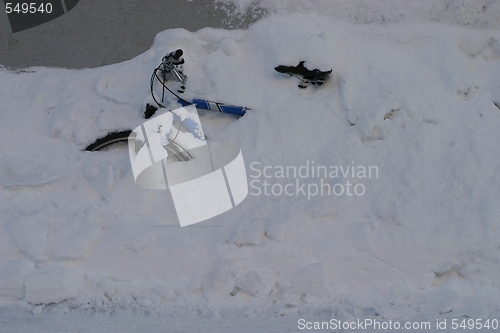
419 104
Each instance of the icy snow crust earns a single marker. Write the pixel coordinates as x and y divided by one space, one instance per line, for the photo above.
415 100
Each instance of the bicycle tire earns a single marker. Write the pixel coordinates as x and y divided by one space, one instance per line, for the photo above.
109 139
174 148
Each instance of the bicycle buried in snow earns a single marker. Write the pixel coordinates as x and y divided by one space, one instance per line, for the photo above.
171 68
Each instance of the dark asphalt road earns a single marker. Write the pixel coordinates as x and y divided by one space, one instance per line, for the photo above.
101 32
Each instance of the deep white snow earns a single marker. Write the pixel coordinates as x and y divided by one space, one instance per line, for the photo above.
414 97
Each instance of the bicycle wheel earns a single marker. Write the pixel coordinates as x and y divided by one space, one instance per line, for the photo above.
175 150
108 140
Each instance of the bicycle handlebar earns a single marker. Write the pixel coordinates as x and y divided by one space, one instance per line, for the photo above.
177 54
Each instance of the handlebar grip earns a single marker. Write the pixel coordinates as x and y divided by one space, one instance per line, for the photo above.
177 54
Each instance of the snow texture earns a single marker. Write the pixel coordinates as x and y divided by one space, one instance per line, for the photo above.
414 93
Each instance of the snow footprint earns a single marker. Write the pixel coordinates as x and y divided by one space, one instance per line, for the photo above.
488 49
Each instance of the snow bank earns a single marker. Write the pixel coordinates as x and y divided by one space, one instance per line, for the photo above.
416 102
52 285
